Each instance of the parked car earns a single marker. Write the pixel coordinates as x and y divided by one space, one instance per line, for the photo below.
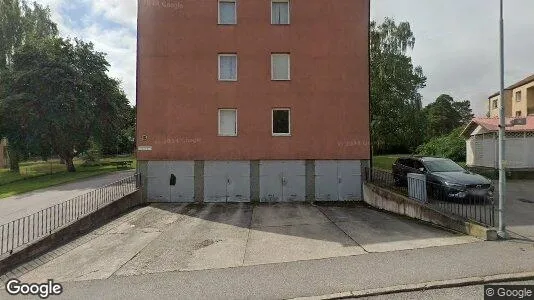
445 179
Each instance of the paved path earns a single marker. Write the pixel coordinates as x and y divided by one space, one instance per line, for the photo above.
19 206
458 293
519 208
228 251
312 277
274 252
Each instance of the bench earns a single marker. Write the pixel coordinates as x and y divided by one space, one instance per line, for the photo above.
122 164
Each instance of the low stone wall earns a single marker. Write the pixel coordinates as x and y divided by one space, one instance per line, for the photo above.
72 231
390 201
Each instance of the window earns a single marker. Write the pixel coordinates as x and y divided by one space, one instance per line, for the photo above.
280 12
495 103
443 165
280 67
281 122
518 113
227 67
417 165
227 12
227 122
518 96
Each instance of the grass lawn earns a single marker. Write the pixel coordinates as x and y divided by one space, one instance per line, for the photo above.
39 174
384 162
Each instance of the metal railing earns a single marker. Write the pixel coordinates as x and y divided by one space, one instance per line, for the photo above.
24 231
466 202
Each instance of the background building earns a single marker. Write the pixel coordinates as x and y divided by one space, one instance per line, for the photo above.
253 100
518 99
483 147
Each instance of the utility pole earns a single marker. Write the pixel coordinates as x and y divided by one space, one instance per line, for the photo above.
502 132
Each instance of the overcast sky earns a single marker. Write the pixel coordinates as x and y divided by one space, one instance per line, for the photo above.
457 41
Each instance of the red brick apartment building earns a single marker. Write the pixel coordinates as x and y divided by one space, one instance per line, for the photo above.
253 100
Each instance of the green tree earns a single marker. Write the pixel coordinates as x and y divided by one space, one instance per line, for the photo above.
444 115
10 30
123 139
20 23
58 96
463 108
397 121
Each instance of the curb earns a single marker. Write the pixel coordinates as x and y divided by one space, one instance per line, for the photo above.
430 285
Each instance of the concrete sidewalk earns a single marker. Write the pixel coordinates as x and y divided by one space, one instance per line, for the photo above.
315 277
169 237
239 251
22 205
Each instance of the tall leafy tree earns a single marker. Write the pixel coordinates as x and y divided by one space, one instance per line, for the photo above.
10 30
444 115
397 120
20 23
463 108
122 139
58 95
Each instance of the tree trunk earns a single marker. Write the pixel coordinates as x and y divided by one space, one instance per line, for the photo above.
13 160
70 164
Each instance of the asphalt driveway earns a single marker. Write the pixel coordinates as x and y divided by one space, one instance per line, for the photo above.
168 237
519 208
22 205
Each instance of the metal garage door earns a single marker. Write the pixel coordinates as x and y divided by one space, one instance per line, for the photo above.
184 190
337 180
227 181
159 188
350 183
282 181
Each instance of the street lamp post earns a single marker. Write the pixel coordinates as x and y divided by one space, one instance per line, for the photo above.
502 132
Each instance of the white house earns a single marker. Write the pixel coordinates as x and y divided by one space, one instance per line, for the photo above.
482 144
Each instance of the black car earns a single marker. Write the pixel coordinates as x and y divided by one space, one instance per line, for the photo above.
445 178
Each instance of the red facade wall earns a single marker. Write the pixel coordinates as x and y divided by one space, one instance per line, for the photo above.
178 93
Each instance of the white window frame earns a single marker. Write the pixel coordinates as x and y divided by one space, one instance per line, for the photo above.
219 133
288 11
219 66
288 66
288 118
219 12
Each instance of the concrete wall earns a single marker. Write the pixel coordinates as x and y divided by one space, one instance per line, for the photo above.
387 200
178 92
253 181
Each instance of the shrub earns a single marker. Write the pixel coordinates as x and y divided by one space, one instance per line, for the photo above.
93 154
450 146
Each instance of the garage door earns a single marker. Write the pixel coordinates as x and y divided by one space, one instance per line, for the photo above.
282 181
159 188
337 180
226 181
184 190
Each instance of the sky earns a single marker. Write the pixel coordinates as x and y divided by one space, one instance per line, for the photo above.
457 42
